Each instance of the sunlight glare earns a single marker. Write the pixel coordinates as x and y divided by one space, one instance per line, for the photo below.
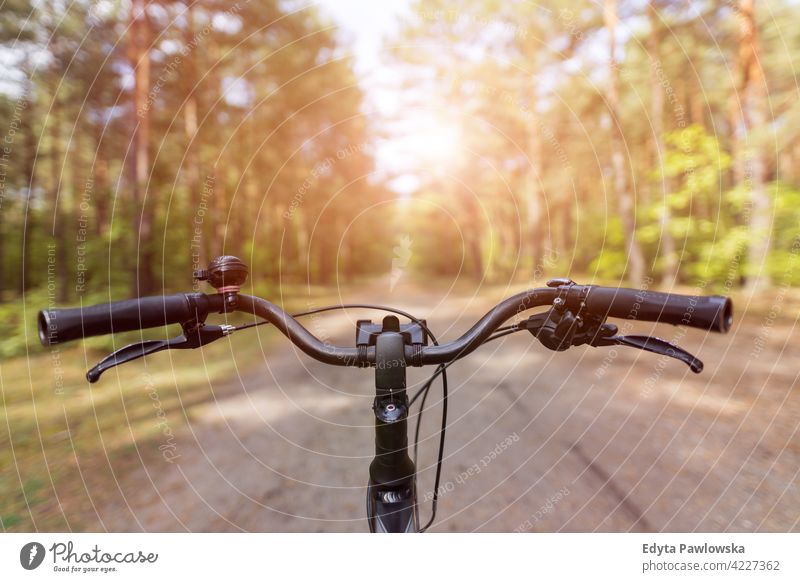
436 144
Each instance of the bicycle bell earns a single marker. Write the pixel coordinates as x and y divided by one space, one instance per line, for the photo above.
226 274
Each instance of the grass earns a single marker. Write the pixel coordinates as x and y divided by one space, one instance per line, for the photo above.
60 434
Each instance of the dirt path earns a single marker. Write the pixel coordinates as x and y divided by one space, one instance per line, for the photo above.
537 441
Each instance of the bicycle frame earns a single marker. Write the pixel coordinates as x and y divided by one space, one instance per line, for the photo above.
392 492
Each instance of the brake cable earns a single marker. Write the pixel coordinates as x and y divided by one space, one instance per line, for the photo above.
441 370
350 306
503 331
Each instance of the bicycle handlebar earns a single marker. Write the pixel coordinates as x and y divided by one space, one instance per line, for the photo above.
712 313
61 325
339 356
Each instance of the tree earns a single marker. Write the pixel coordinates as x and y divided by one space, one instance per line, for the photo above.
670 266
487 69
752 110
625 197
139 41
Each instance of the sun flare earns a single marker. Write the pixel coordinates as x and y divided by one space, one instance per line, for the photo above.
436 143
429 143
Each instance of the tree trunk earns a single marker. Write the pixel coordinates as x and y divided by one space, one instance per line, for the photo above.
325 258
670 273
191 128
61 271
210 191
474 243
294 269
627 208
249 206
753 116
507 250
247 209
342 260
3 255
222 216
28 165
142 282
533 201
101 188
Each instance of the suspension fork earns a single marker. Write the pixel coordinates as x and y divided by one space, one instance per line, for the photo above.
391 494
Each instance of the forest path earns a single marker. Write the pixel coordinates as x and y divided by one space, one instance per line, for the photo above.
587 440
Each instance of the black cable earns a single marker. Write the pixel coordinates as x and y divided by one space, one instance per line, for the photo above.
424 390
503 333
440 370
351 306
514 327
440 457
427 386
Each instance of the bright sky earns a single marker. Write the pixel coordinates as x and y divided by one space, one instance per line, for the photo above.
365 26
424 140
420 141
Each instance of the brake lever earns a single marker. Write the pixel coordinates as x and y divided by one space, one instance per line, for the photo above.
558 329
655 345
194 335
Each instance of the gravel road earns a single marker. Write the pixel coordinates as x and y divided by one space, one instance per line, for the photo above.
587 440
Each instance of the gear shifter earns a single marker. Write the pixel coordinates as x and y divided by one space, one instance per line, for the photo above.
559 329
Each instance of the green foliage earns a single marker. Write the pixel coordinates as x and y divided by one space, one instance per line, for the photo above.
248 100
784 259
17 332
696 159
270 98
611 258
716 242
721 261
698 215
524 83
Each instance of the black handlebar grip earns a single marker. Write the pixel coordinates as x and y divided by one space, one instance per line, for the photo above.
713 313
61 325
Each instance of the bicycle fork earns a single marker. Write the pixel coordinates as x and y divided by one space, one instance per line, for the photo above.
391 494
